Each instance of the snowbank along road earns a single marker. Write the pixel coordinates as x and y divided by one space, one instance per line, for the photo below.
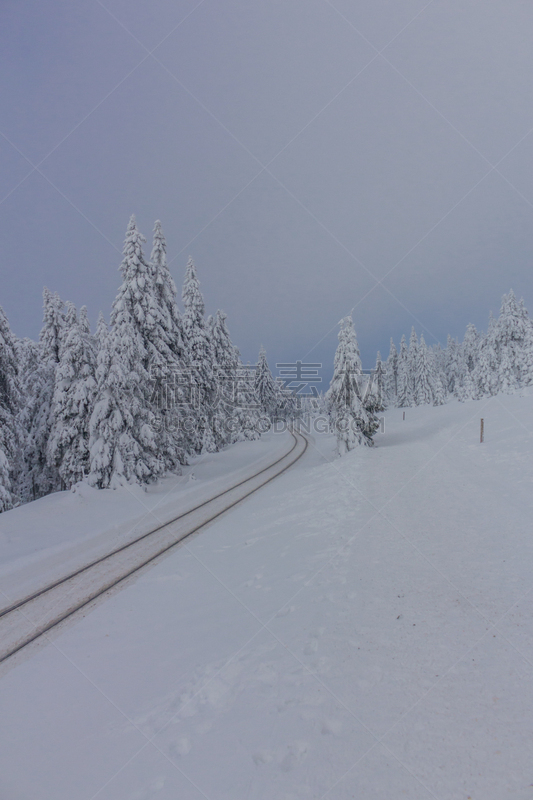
28 619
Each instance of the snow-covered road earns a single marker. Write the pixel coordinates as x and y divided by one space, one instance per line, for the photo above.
361 628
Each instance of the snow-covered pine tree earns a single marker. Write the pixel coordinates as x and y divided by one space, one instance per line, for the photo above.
226 362
412 361
439 397
250 419
73 403
486 374
527 363
425 377
454 366
470 347
391 375
167 358
38 477
53 325
265 386
200 355
511 340
404 378
353 424
11 436
166 293
69 321
465 386
124 441
375 398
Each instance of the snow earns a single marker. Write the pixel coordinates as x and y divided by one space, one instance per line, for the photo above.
361 627
43 540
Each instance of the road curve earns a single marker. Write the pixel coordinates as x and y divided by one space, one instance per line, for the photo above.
26 620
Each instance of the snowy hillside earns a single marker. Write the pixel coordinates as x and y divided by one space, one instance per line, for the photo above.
361 627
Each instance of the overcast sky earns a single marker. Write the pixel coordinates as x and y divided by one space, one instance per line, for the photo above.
312 157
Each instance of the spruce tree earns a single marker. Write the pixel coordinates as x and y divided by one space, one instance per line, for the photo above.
53 326
404 377
375 398
265 386
200 355
226 421
353 424
391 375
124 442
167 361
454 366
511 340
11 436
412 361
38 476
486 372
425 377
73 403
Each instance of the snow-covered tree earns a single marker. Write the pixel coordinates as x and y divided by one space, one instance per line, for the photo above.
226 419
167 358
486 372
11 436
425 378
454 366
38 476
439 396
170 318
511 339
200 354
53 325
73 403
265 386
470 347
404 376
353 424
412 360
391 375
375 397
124 442
251 420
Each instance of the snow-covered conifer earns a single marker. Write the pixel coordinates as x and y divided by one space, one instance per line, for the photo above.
38 476
53 325
124 443
199 349
265 386
425 377
353 424
167 359
404 378
412 361
391 375
375 397
453 365
226 365
72 404
511 340
470 347
486 372
11 437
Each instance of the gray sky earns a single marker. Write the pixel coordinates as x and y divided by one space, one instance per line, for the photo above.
311 156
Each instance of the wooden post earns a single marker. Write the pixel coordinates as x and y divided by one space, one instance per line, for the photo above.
482 431
404 414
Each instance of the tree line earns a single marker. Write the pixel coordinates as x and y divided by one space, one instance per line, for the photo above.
134 400
482 365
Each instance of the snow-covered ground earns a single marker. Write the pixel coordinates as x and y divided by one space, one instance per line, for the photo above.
44 540
359 628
